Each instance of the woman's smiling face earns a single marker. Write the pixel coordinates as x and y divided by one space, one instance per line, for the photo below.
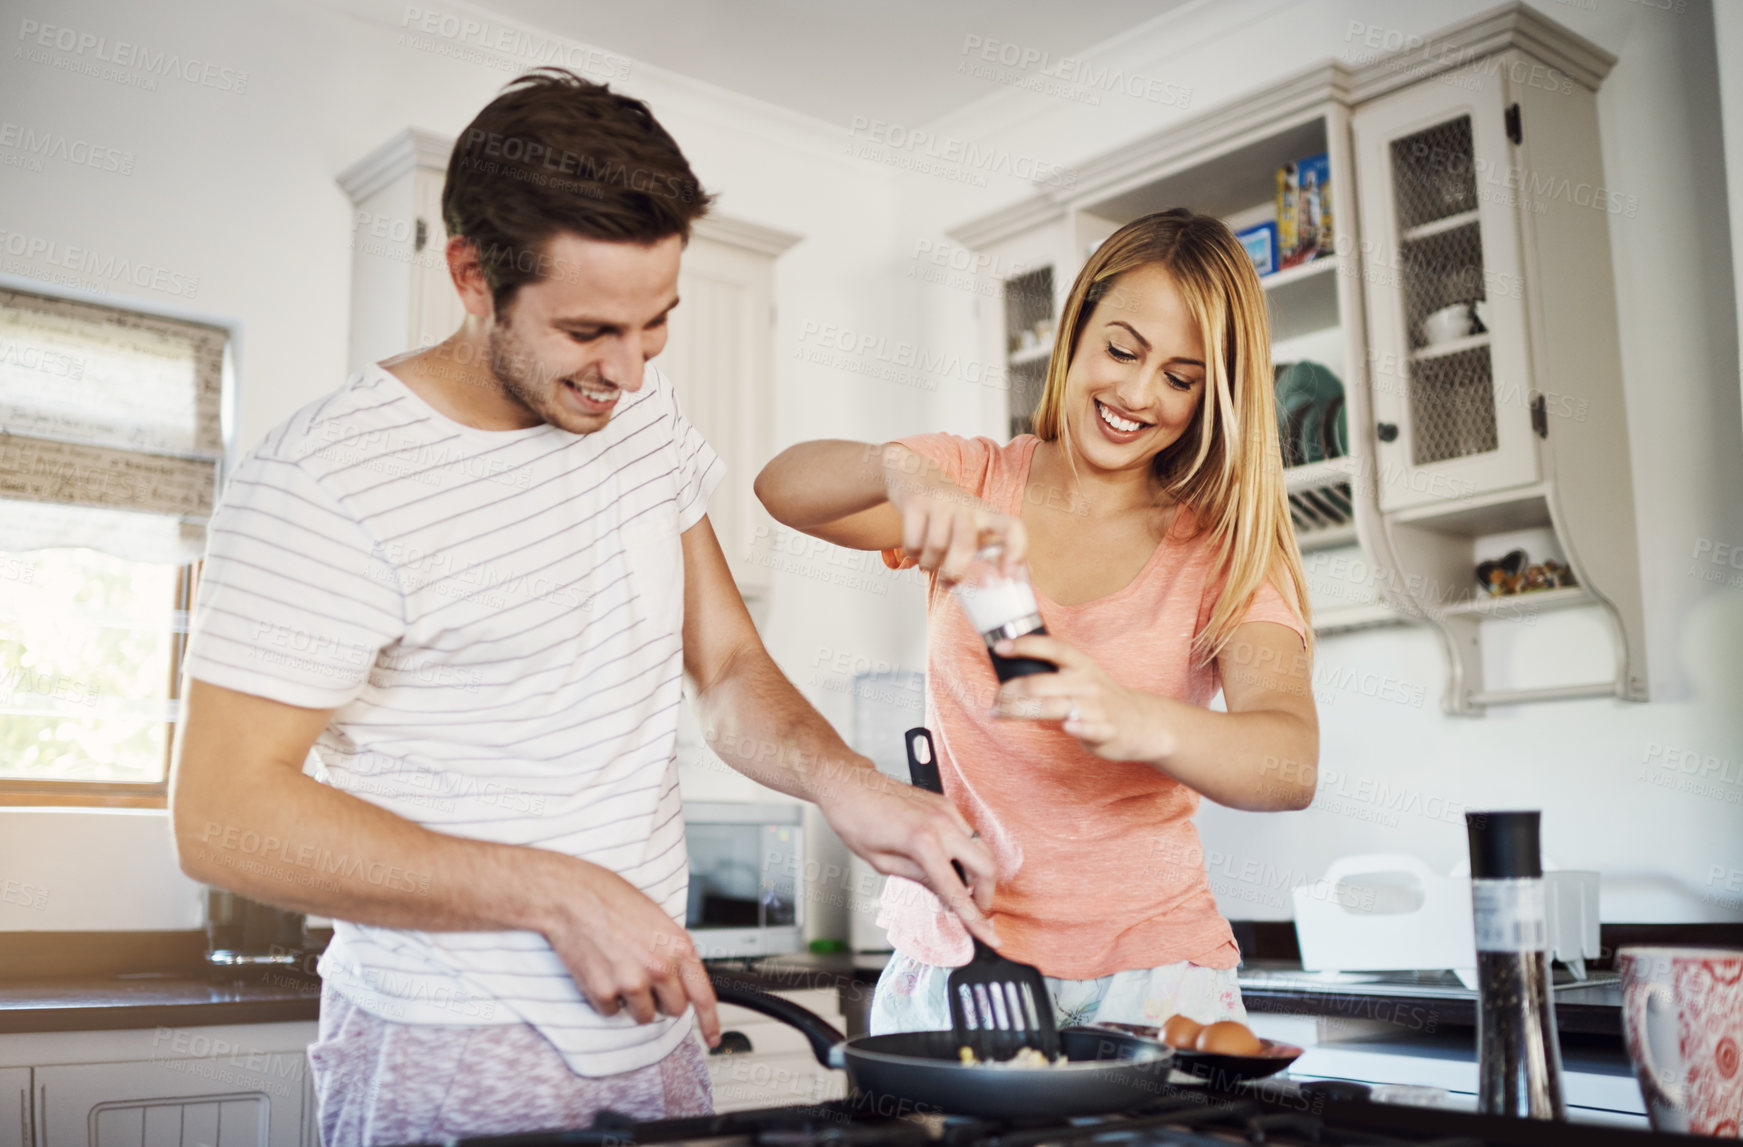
1138 374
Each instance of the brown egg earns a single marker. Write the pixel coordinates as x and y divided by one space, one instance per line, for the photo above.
1180 1031
1228 1038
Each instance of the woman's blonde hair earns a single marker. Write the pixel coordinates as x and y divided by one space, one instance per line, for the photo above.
1227 466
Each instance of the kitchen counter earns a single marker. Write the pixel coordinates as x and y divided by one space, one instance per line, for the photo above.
157 999
1422 1002
1425 1003
192 997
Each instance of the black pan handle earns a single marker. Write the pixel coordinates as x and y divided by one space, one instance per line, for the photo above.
923 771
923 761
827 1044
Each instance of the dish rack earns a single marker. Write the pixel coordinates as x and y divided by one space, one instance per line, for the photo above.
1341 928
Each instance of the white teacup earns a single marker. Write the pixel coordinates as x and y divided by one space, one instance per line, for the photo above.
1448 323
1682 1014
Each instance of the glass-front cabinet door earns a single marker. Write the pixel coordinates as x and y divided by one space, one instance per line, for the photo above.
1449 368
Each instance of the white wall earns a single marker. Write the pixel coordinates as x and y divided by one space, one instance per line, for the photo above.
1728 46
79 870
1666 853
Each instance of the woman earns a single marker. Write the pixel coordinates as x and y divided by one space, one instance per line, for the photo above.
1150 508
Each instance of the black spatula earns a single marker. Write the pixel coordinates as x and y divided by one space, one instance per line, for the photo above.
997 1006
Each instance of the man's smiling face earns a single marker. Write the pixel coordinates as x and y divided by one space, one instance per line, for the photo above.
569 345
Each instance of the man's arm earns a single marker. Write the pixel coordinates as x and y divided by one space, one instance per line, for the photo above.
246 818
760 725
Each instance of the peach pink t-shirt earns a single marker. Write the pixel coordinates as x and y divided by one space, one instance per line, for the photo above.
1099 865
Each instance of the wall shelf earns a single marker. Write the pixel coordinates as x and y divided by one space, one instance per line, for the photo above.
1450 347
1439 226
1326 537
1033 354
1514 605
1288 276
1344 618
1316 475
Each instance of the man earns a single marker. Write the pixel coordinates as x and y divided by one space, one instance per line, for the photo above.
464 590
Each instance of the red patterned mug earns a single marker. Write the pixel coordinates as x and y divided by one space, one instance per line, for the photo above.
1682 1013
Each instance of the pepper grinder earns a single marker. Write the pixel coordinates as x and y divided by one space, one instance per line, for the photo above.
1001 605
1518 1052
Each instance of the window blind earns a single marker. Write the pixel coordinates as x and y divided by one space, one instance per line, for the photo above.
111 428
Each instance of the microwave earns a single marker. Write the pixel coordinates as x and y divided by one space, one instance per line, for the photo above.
746 861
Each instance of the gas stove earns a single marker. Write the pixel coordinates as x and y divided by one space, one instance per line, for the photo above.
1278 1113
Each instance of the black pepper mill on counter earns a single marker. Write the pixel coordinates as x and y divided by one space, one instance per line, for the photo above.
1518 1052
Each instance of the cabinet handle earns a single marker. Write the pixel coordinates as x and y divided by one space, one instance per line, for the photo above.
1386 431
1539 417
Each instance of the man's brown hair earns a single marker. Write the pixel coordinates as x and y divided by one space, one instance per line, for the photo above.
555 152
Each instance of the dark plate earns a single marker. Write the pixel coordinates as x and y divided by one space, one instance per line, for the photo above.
1221 1070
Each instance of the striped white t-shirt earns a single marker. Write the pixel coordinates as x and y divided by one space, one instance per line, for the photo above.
496 619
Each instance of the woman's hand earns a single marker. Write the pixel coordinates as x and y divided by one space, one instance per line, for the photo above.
1113 722
942 524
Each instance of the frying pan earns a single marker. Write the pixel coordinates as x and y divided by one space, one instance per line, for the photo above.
1107 1070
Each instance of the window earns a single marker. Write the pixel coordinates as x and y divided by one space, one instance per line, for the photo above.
111 443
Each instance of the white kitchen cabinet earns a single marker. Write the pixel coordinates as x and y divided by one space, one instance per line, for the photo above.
1019 269
223 1086
720 356
401 293
779 1067
1482 183
15 1106
1449 416
720 351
